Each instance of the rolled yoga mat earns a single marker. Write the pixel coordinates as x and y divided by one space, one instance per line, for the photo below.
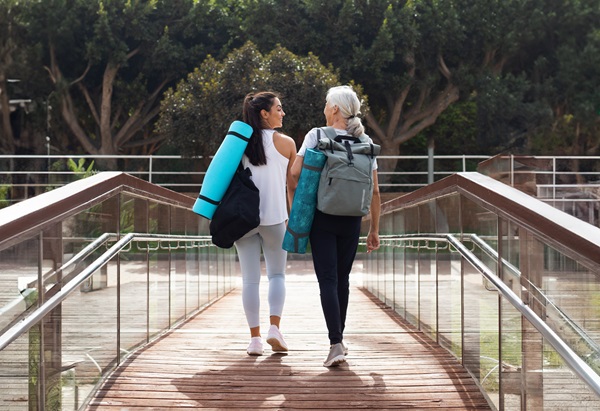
304 204
221 169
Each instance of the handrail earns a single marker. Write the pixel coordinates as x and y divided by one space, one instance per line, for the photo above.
73 260
577 239
22 327
577 365
517 273
86 251
33 215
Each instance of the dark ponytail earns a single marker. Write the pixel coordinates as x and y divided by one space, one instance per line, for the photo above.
253 104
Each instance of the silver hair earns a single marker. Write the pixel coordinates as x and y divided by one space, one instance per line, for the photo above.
345 98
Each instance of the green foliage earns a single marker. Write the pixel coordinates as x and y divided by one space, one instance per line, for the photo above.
508 109
453 133
4 190
110 61
80 169
552 87
531 66
196 114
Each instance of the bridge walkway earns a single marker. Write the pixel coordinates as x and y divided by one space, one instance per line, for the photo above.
203 363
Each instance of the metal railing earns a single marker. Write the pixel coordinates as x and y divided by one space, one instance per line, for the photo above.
568 183
28 320
511 292
42 172
91 272
572 359
495 306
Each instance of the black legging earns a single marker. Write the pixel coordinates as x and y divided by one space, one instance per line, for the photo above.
333 241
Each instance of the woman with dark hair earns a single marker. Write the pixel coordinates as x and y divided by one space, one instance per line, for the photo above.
269 155
334 238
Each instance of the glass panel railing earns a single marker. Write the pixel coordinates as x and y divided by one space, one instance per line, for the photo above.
19 279
514 304
117 271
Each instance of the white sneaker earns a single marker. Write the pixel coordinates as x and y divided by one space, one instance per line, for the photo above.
275 339
345 347
255 347
336 356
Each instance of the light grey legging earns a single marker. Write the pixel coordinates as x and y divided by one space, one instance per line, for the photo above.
270 237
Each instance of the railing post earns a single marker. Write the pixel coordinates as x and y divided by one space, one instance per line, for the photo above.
430 149
50 335
531 266
512 170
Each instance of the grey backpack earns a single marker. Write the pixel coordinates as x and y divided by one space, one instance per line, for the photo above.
346 184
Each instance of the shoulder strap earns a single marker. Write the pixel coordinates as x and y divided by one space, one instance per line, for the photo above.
329 132
318 138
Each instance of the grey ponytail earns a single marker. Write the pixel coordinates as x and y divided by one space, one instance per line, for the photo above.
349 105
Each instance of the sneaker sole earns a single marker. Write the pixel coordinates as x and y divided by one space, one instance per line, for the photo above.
276 345
254 353
335 361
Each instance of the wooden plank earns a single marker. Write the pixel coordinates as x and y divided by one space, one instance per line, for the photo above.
203 364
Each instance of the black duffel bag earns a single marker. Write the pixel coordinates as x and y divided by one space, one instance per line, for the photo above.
238 212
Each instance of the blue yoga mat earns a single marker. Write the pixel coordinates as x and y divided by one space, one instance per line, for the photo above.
221 169
304 204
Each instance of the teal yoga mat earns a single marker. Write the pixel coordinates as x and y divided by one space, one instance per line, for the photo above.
221 169
304 204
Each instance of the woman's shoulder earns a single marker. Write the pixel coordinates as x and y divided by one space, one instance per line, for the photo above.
284 144
283 137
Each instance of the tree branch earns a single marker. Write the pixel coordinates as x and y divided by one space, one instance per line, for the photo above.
428 117
379 134
89 101
67 107
110 73
443 67
143 114
80 78
396 112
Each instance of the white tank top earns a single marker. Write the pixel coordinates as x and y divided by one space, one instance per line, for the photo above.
271 179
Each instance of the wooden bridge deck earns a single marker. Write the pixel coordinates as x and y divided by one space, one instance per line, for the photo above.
203 364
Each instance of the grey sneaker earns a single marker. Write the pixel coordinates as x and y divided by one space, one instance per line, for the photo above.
345 348
336 356
275 339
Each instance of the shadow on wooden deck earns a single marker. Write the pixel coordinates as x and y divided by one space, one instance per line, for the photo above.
203 364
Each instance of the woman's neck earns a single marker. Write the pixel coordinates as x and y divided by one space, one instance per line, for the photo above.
339 123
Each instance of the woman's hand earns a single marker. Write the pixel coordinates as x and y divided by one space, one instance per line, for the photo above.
372 241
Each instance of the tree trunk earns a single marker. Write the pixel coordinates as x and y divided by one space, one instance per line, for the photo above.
409 125
107 146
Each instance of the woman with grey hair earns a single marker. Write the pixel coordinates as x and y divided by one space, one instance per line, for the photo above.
334 238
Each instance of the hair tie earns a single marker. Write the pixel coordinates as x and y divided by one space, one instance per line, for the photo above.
351 117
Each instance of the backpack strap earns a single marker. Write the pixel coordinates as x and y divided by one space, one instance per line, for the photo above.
329 132
318 138
332 135
349 153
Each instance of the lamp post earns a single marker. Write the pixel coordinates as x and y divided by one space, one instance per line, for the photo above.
48 111
48 152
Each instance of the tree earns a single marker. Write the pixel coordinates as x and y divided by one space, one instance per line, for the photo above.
413 58
574 79
111 60
196 114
